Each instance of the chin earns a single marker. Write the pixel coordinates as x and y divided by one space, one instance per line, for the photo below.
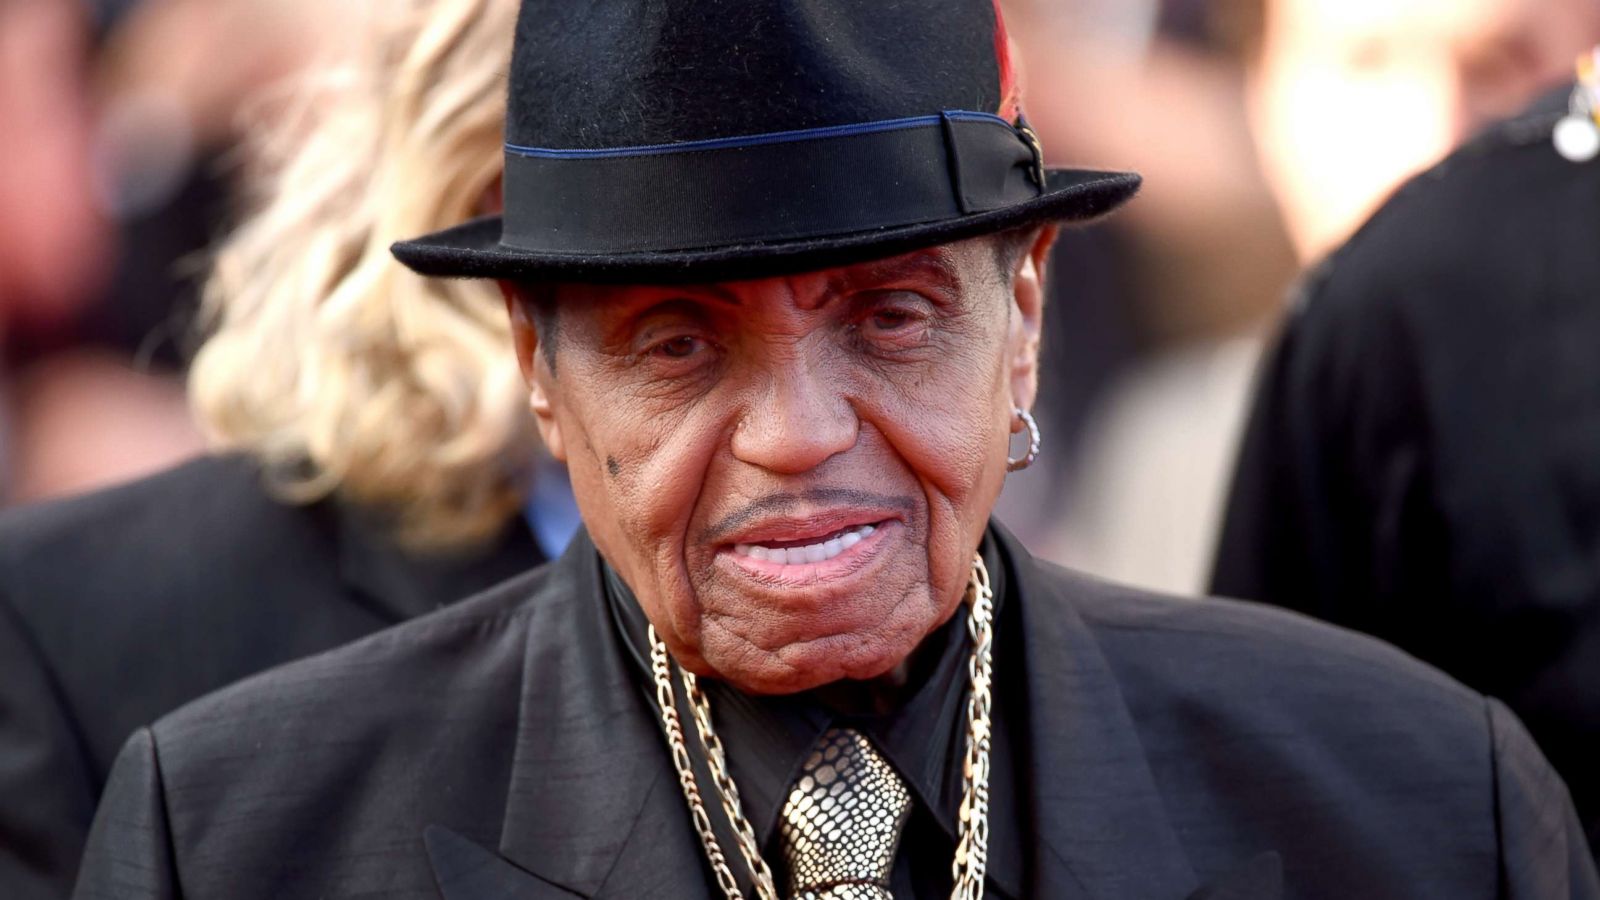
810 664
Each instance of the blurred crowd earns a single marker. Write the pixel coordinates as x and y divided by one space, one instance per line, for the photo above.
1268 131
123 122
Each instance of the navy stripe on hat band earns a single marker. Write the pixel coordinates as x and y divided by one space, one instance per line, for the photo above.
756 140
782 186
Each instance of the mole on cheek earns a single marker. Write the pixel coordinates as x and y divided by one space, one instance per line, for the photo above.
612 466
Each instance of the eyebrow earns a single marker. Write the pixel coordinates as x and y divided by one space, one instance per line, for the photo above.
713 291
647 298
923 264
692 300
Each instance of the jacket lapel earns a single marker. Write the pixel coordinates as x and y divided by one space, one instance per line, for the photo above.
467 871
594 805
1096 823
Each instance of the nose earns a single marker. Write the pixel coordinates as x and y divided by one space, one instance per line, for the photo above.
796 424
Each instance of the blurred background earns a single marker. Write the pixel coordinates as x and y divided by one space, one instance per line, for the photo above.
1267 130
120 121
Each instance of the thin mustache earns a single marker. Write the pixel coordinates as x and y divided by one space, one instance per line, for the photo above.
781 503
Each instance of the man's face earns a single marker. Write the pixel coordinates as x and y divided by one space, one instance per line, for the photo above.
1351 97
792 474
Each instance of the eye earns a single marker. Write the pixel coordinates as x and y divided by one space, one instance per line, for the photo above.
681 347
890 319
893 321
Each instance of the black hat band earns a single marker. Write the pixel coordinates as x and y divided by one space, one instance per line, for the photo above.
785 186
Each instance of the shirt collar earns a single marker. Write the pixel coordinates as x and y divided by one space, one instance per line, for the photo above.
551 510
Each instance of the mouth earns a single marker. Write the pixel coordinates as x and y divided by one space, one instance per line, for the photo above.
811 550
804 551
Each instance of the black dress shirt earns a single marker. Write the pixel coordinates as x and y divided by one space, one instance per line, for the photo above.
922 732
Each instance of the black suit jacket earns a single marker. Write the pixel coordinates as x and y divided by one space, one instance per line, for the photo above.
118 607
1167 749
1423 460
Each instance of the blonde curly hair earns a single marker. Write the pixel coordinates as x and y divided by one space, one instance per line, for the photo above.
338 369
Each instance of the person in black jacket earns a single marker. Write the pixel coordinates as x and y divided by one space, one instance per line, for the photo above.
118 607
352 488
774 273
1423 460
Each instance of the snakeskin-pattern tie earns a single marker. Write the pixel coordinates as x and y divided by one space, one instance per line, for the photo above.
842 821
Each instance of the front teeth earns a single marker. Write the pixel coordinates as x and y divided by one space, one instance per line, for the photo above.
821 551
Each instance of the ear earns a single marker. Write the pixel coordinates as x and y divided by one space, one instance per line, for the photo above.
1027 295
537 374
524 336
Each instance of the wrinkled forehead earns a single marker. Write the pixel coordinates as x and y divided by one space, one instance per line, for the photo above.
951 269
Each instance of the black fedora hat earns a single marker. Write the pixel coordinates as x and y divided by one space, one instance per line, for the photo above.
662 140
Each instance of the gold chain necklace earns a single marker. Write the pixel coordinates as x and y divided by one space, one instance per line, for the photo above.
972 845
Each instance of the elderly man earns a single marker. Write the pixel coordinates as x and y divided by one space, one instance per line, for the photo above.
774 269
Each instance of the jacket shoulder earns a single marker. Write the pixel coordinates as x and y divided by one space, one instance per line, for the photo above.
354 749
1264 728
166 529
202 482
401 677
1257 655
1192 669
139 598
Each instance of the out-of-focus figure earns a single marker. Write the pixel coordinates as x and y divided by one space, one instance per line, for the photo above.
54 241
1157 352
373 443
1423 461
1350 98
122 122
1343 100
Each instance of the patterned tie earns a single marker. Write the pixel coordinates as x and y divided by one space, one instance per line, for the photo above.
841 824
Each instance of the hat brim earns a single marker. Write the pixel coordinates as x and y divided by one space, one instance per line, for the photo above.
473 249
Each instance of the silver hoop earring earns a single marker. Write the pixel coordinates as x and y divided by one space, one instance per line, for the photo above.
1017 465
